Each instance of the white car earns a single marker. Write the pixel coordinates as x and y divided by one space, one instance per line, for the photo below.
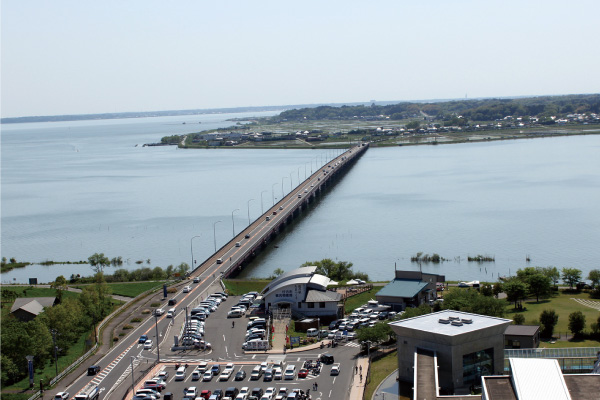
270 391
148 344
207 377
187 289
245 390
290 372
159 312
225 375
277 374
191 392
335 369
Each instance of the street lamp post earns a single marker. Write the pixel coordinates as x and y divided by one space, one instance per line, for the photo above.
299 175
233 223
215 233
192 249
262 209
291 180
282 195
157 340
273 192
249 211
132 379
55 350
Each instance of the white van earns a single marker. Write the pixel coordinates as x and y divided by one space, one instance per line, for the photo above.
290 372
237 244
171 313
219 261
180 374
268 218
312 332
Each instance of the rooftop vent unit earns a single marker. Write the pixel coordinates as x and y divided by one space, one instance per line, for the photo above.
466 320
457 323
453 318
443 321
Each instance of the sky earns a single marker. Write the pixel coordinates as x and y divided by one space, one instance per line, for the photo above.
79 57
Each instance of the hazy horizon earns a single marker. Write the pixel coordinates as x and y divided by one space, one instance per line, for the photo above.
65 58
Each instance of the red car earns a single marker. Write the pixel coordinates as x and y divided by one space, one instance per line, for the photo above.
303 373
205 394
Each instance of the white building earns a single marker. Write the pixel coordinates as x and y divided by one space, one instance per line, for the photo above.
304 292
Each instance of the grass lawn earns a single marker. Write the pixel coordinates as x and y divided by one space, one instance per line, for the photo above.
563 304
360 299
28 291
129 289
380 370
237 287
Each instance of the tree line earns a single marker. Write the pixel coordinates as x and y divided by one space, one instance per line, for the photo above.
67 321
474 110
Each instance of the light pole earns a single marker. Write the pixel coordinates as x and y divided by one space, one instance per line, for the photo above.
299 174
157 341
262 209
215 233
233 223
282 195
291 180
273 192
249 211
55 349
132 379
192 249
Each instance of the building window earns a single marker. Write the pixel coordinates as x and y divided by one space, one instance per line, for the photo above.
299 305
311 305
322 304
477 364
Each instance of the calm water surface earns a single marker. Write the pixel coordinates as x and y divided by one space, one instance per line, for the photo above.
71 189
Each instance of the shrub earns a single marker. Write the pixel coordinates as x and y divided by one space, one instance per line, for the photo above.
122 334
172 290
576 323
155 304
115 339
136 319
548 319
127 326
146 312
519 319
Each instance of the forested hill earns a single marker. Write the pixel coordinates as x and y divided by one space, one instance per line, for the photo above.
473 110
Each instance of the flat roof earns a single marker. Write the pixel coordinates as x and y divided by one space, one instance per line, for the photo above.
430 322
407 288
521 330
538 379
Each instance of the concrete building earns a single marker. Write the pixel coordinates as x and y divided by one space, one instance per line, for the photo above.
466 346
409 288
522 337
305 293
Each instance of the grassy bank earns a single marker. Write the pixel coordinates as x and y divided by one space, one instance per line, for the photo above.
380 370
237 287
360 299
129 289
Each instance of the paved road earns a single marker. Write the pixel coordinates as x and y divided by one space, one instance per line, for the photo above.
116 365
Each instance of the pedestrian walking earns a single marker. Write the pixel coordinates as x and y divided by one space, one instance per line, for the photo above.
360 378
361 369
316 386
355 369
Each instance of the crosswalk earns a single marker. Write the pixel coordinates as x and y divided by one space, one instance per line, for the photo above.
352 344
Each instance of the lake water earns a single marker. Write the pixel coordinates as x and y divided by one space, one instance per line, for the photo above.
71 189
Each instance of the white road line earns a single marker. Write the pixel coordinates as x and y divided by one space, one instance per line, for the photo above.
224 338
330 393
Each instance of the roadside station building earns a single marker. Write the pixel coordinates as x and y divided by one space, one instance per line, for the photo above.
304 292
408 289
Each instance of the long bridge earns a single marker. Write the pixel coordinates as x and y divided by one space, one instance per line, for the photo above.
240 250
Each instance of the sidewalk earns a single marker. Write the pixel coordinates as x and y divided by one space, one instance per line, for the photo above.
357 387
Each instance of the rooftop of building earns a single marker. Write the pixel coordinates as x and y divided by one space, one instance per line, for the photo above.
407 288
33 305
521 330
450 323
538 379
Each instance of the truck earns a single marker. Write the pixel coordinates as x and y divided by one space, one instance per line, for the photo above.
90 392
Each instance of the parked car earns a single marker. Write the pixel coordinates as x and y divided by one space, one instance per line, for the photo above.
215 369
240 375
277 374
290 372
207 377
303 373
311 332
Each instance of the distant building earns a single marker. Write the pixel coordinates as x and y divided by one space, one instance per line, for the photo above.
522 337
305 293
27 308
409 289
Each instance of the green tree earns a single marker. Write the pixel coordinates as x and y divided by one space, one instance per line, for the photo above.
576 323
374 334
67 320
98 261
413 125
594 276
472 301
516 290
539 286
571 276
486 289
277 272
60 284
411 312
552 273
338 271
519 319
548 320
182 269
498 288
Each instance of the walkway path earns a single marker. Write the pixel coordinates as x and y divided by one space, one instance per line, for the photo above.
588 303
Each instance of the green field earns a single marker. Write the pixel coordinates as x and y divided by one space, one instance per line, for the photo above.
360 299
129 289
563 304
381 369
238 287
